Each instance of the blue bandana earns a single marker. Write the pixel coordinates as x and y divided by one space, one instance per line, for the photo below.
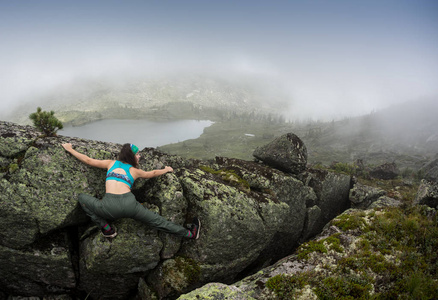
134 148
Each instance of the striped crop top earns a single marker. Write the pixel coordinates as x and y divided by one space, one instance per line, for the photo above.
127 179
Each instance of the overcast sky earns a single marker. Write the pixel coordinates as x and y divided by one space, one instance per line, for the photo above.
329 57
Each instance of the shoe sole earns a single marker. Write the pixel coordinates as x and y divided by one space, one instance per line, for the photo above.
110 235
199 229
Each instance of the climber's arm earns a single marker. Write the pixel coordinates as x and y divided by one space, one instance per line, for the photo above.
103 164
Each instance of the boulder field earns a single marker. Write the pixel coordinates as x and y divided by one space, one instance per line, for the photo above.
252 214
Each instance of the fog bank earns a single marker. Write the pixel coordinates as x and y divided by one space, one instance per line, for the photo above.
319 60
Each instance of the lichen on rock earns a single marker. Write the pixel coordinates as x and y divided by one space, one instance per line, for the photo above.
251 214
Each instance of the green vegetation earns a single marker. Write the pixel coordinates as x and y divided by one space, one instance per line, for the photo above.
402 188
321 246
345 287
352 221
229 176
234 138
395 188
46 122
287 287
239 137
349 169
394 257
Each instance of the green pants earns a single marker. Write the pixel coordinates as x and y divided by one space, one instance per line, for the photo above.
113 207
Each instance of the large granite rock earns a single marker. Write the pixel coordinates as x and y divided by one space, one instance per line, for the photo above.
362 196
427 194
354 257
45 268
286 153
332 198
430 171
252 215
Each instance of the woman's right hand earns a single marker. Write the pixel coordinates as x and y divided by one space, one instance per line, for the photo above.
138 173
67 146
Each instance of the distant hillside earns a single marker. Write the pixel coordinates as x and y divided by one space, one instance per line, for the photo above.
182 97
406 134
247 114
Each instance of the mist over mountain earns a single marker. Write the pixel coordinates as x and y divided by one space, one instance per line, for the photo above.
409 128
144 94
313 60
406 133
410 122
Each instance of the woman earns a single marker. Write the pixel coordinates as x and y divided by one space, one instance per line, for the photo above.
118 201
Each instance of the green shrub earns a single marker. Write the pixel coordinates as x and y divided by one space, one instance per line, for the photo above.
309 247
46 122
345 168
287 287
394 258
345 287
334 243
410 236
350 221
322 246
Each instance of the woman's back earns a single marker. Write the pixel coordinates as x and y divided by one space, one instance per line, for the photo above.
119 179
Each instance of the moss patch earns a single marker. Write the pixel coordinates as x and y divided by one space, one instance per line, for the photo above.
393 256
189 267
351 221
229 176
321 246
180 272
288 287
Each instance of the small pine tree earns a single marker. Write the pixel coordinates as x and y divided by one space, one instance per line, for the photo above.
46 122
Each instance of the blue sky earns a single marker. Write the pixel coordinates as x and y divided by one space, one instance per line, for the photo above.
329 57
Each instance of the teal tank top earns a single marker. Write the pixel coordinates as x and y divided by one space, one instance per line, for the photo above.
127 179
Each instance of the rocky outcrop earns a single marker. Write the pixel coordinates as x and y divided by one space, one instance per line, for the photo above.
428 190
252 215
332 198
427 194
362 196
356 256
385 171
430 171
286 153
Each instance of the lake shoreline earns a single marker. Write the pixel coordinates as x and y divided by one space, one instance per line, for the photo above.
144 133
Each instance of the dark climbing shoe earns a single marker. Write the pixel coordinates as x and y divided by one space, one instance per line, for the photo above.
109 233
195 228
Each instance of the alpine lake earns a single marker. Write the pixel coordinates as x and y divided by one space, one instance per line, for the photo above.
143 133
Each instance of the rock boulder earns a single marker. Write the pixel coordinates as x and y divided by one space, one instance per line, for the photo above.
252 215
362 196
430 171
286 153
427 194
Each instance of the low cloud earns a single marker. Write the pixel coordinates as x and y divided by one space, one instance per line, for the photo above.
316 63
